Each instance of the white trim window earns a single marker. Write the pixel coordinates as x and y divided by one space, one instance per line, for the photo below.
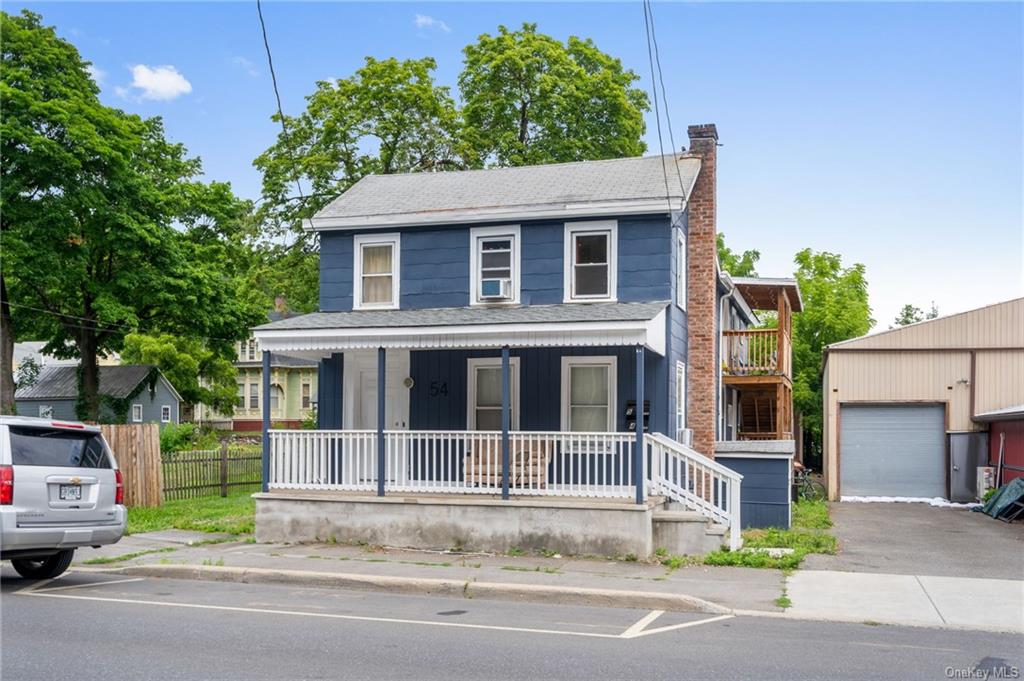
276 397
46 411
136 413
483 393
240 397
494 258
590 260
588 394
254 396
376 271
165 413
307 395
680 399
681 273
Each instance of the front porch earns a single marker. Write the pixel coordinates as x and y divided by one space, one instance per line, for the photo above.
528 424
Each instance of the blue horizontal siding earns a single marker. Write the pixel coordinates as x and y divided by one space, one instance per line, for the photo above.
765 491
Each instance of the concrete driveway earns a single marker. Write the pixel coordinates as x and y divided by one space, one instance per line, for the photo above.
918 539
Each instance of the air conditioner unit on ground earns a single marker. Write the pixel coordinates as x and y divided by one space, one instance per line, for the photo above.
986 480
496 289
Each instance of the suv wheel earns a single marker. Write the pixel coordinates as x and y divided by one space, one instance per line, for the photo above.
44 568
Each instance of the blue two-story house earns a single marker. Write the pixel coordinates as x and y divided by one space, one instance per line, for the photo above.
547 331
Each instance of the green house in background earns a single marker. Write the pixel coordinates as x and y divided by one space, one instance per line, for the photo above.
293 388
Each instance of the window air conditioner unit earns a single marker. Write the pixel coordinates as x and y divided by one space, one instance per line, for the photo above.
686 436
496 289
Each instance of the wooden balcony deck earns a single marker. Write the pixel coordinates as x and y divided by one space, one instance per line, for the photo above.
756 355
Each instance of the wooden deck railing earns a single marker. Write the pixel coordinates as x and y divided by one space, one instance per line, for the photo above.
753 352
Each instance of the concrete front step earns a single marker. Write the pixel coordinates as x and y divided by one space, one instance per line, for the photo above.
687 533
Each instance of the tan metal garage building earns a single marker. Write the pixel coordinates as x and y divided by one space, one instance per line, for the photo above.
894 399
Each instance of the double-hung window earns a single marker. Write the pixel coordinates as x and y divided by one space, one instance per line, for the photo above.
306 395
681 273
165 414
680 400
590 260
254 395
275 397
136 413
376 270
494 265
588 394
484 393
240 398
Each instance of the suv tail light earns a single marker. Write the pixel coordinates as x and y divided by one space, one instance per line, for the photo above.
6 485
119 490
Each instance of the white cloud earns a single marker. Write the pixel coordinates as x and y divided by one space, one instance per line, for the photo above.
425 21
246 65
121 92
96 73
160 83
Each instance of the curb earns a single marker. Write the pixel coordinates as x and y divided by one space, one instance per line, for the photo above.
535 593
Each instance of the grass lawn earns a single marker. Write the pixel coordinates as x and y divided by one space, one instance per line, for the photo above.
234 514
809 534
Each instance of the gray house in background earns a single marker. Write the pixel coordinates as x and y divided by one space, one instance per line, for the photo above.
145 393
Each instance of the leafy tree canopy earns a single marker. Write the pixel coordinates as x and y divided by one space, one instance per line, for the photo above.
199 374
105 228
736 264
835 302
531 99
910 314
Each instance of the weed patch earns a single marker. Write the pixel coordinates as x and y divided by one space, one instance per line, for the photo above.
125 556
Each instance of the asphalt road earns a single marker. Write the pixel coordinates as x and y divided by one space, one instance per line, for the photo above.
89 626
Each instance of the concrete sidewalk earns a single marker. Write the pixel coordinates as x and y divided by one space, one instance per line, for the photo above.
946 602
919 600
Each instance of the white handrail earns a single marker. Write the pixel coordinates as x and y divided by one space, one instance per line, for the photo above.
697 482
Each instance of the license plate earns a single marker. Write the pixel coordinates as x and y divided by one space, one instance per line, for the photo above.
71 492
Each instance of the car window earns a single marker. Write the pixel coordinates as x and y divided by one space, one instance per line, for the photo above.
55 447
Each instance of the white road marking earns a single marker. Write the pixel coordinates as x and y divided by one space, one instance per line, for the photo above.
642 623
673 627
635 630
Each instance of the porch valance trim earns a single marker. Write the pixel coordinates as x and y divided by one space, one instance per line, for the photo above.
649 333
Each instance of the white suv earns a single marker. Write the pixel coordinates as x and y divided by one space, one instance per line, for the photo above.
59 489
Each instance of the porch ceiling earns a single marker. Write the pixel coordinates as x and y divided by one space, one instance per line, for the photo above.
571 324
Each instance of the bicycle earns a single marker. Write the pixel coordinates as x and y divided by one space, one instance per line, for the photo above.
808 489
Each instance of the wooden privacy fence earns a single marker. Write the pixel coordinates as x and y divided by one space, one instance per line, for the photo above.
137 450
211 472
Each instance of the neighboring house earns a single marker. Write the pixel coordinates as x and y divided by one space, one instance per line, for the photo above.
907 410
141 390
34 349
293 388
567 305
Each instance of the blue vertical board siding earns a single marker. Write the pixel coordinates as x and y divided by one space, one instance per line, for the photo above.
765 492
435 268
329 401
435 264
336 271
437 400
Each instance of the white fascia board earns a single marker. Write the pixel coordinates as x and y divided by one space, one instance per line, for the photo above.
514 213
650 333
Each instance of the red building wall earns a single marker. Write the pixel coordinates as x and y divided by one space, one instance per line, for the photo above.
1013 447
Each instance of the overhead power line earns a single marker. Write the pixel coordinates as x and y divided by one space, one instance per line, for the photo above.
664 95
657 111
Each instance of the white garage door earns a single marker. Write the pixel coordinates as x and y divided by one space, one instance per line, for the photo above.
892 450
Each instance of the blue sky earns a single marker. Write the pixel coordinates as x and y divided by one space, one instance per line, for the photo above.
888 133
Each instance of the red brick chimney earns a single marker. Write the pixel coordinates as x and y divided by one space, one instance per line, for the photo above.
701 292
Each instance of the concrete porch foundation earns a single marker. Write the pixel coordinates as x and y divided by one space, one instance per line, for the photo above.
567 526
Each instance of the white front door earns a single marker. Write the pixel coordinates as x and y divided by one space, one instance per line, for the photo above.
361 392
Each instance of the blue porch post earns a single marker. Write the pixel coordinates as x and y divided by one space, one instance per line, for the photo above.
505 421
381 391
265 390
638 453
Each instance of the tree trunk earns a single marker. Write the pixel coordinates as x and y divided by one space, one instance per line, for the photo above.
524 124
6 352
88 407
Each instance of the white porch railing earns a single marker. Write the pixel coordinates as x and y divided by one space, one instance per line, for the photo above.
540 463
695 481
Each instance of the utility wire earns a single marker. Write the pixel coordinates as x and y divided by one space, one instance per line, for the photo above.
664 96
657 114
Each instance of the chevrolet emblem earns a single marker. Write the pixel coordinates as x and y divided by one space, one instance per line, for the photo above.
76 480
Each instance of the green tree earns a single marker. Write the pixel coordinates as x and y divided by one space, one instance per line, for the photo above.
105 229
736 264
529 99
911 314
199 374
835 308
389 117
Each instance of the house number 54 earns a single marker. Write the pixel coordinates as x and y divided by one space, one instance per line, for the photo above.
438 388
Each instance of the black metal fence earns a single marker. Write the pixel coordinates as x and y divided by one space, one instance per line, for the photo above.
211 472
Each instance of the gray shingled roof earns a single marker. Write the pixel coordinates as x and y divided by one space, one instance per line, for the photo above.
279 360
60 382
461 316
623 179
